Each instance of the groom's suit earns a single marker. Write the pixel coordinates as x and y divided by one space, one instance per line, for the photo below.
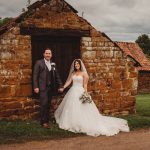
48 82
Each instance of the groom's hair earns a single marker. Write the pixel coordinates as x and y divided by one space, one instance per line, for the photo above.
47 49
77 60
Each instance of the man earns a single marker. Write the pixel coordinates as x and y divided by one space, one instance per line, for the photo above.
45 81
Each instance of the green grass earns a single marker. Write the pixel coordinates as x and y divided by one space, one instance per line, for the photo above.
137 121
143 105
22 131
142 117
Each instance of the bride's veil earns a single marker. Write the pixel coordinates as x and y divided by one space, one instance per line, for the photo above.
72 69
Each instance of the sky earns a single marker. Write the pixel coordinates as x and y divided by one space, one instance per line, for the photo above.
121 20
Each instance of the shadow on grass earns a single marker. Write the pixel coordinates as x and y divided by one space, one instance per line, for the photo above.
23 131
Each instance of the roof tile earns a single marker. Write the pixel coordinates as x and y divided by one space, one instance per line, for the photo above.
132 49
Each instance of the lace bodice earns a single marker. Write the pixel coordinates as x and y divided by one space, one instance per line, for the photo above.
77 80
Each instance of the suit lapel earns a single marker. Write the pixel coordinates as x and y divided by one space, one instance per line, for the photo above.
43 63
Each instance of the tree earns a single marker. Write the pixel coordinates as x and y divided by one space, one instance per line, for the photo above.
5 20
144 42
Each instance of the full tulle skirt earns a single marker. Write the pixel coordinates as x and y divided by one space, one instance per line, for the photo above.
73 115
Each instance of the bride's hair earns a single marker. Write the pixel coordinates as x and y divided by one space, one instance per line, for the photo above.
77 60
72 69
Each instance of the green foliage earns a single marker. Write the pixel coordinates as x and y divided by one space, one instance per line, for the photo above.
144 42
5 20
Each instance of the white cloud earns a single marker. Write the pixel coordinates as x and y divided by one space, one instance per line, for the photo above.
12 8
124 19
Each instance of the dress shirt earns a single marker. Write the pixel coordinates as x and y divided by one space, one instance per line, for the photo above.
48 64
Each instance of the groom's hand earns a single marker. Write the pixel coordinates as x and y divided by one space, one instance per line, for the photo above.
36 90
60 90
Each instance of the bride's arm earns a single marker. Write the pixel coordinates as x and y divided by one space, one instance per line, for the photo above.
85 81
68 82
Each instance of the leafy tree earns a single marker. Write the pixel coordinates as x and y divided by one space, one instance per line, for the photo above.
144 42
5 20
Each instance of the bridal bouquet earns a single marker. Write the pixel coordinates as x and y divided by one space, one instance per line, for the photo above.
85 98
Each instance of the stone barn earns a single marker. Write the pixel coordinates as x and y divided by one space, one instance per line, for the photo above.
56 24
133 50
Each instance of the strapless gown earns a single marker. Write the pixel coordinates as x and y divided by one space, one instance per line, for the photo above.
74 116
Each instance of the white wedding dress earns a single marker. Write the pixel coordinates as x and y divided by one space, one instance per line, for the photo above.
74 116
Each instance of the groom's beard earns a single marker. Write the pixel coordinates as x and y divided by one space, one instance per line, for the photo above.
48 58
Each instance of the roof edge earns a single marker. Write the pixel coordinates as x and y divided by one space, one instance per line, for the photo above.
18 19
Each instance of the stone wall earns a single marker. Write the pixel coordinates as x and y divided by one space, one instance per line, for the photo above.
144 82
15 76
113 78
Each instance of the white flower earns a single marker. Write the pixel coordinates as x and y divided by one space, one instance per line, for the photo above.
85 98
53 65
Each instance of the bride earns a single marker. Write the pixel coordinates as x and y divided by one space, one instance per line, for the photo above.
78 117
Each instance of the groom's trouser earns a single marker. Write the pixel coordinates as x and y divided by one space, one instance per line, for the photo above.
45 103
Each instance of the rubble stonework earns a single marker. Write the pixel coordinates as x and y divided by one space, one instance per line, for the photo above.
113 77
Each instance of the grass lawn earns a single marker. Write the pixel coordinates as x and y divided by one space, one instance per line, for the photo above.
143 105
21 131
142 117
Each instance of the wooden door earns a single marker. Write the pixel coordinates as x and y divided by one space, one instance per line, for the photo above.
65 50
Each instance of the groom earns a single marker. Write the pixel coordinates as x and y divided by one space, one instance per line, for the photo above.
45 82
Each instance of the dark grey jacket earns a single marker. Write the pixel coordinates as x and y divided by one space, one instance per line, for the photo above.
40 76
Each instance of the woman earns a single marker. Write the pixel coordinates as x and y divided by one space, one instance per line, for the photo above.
73 115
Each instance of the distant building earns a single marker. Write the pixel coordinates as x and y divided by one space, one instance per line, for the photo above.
133 50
